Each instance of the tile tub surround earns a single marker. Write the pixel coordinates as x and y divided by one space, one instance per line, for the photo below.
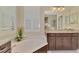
31 43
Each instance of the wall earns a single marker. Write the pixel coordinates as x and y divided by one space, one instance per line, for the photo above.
42 22
19 16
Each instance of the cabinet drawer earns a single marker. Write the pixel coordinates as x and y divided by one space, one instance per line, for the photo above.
74 34
67 43
50 34
63 34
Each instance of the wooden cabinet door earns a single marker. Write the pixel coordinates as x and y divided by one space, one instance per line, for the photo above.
67 43
62 41
51 43
5 48
58 43
74 43
44 49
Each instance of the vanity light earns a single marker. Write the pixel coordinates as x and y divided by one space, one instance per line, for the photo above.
63 8
57 8
54 8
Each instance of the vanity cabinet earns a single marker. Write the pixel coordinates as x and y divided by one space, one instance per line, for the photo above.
52 43
44 49
51 39
74 42
62 41
67 43
6 48
58 43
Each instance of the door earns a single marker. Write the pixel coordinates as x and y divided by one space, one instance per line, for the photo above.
74 43
51 43
67 43
59 43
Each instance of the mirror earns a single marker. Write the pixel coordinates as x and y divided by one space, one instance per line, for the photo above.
51 22
64 20
60 22
71 21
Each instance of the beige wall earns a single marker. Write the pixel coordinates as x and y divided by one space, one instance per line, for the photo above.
19 16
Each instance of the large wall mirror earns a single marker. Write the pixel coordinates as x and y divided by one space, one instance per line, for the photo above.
51 22
68 19
71 21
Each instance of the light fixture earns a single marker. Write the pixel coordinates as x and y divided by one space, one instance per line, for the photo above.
63 8
57 8
54 8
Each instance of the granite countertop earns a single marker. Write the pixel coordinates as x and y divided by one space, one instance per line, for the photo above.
30 44
3 41
6 36
62 31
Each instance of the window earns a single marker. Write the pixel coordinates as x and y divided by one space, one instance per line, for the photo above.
7 18
32 19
